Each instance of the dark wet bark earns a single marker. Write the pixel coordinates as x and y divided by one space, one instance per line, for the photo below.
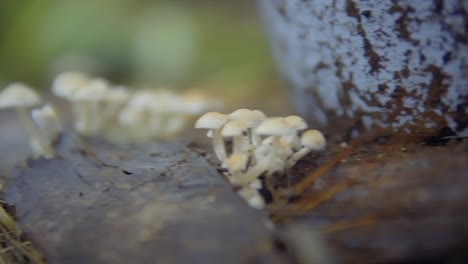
153 203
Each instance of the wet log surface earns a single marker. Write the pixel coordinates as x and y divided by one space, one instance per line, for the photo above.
394 203
154 203
164 202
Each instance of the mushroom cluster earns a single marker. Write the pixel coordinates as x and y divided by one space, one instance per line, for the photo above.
249 145
98 106
162 113
42 126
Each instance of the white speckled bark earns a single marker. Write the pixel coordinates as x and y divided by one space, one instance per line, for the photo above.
399 64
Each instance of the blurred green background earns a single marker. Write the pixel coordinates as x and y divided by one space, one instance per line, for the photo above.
217 46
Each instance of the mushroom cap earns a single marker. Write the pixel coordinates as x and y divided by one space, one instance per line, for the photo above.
211 120
234 128
117 94
66 83
166 101
95 90
259 114
275 127
129 116
47 120
296 121
197 102
249 116
141 100
18 95
242 114
313 139
237 162
46 111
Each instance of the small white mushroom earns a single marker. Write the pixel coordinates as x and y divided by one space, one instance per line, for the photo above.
268 156
236 164
252 197
275 127
86 101
196 103
171 111
214 121
138 115
113 101
49 126
259 118
310 140
238 131
273 154
252 118
298 124
21 97
256 184
66 83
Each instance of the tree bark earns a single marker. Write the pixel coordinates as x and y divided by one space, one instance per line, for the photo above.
397 65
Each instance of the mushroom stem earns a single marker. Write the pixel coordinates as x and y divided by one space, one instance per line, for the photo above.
174 124
83 114
94 117
253 173
155 123
254 137
245 144
252 197
108 112
34 136
237 144
293 141
218 145
268 159
297 156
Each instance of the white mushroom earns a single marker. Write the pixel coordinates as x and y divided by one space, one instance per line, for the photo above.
269 156
236 165
256 184
112 102
49 126
310 140
252 118
21 97
139 116
86 101
273 153
65 84
298 124
171 111
275 127
252 197
238 131
196 103
215 121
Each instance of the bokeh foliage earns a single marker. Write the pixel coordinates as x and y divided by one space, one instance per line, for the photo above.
154 42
